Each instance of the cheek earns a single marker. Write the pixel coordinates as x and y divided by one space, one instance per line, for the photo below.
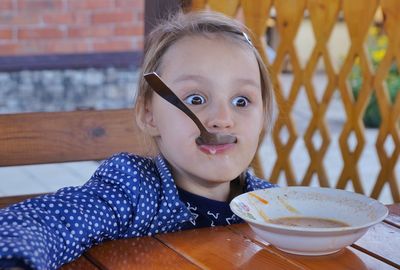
256 126
163 114
256 132
171 122
263 124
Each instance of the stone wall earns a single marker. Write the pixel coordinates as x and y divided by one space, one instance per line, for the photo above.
66 90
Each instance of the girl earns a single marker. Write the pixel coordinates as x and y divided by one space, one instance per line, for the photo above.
209 62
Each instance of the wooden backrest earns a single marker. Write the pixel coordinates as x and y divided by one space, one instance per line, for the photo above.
356 17
34 138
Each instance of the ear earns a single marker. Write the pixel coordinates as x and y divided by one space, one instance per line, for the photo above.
145 118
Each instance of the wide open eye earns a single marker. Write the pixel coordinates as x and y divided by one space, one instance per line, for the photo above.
195 99
240 101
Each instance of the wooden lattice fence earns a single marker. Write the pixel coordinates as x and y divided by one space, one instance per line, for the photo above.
323 15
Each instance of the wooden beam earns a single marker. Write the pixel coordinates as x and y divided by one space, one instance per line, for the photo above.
158 9
34 138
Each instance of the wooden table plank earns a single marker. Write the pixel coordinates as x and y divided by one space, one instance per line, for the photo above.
393 220
79 264
237 247
394 215
382 240
394 209
371 263
348 258
220 248
137 253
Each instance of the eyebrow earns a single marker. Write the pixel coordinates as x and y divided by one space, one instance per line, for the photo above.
188 77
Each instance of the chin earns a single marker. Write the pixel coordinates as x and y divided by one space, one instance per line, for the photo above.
221 176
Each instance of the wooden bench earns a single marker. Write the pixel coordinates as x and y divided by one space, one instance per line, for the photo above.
53 137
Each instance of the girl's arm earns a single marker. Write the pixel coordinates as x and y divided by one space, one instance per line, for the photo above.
50 230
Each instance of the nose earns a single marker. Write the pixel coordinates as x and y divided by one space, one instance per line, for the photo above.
219 116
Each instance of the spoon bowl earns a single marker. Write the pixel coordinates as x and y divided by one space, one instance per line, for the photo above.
206 137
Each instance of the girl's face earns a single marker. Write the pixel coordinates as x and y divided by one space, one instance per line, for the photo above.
219 81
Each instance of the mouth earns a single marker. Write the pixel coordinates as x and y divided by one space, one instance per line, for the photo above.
215 149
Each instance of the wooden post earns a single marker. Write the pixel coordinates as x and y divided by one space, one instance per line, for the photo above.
159 9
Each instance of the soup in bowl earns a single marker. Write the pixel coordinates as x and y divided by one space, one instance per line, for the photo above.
308 220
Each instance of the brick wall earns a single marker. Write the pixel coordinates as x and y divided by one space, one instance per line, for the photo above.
32 27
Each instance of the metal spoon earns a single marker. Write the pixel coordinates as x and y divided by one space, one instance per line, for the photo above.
205 137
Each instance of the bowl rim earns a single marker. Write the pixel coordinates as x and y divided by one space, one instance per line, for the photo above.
310 229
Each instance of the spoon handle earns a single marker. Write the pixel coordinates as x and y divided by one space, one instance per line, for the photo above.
166 93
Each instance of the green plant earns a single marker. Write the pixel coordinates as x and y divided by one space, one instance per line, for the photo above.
377 44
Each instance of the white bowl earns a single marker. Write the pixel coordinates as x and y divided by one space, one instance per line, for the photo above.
359 212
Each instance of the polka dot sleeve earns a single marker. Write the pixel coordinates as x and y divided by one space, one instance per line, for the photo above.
50 230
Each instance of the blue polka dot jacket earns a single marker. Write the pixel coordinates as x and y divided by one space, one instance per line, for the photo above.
128 196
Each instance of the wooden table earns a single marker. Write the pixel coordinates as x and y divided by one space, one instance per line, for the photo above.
236 247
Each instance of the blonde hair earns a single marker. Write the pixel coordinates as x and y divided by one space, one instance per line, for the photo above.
206 23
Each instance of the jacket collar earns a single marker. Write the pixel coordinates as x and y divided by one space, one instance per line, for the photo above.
177 207
169 192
